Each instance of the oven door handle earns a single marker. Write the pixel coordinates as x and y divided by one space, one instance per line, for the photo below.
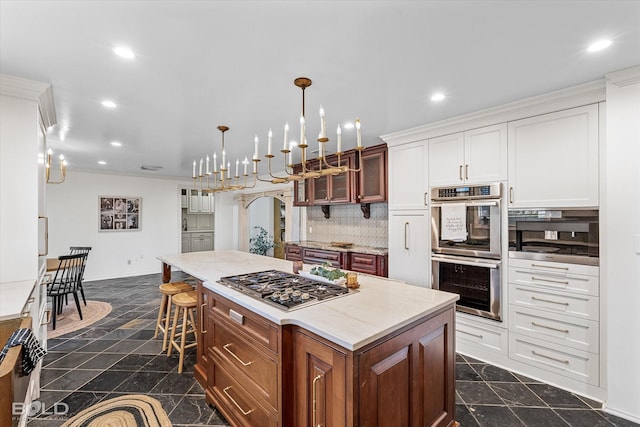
468 204
465 262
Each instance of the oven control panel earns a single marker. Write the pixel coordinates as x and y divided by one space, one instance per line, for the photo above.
488 191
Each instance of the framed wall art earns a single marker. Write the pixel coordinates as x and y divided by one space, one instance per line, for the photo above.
120 213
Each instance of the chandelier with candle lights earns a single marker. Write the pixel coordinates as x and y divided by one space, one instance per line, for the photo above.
215 180
63 168
323 166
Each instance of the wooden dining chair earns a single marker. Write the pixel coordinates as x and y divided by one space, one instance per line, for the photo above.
67 280
81 250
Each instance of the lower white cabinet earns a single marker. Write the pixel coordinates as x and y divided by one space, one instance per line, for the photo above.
478 337
186 242
409 247
201 242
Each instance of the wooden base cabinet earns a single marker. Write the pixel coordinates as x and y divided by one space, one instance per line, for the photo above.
257 373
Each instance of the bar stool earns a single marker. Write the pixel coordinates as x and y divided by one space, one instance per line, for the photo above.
185 303
168 290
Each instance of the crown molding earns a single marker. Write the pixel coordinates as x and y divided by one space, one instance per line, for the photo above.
587 93
626 77
30 90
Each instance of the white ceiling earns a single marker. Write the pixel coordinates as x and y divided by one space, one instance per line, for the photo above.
201 64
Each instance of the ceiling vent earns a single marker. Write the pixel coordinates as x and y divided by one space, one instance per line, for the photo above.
150 168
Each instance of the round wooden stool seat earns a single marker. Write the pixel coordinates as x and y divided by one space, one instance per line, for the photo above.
186 299
174 288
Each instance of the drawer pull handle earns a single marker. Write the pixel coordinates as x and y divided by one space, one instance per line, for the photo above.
315 380
226 347
566 331
202 310
48 318
560 282
566 362
469 333
31 299
548 300
245 413
547 266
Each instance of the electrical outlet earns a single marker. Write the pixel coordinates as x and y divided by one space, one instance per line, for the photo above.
129 261
310 229
551 235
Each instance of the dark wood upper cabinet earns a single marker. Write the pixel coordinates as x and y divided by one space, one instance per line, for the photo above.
372 178
368 185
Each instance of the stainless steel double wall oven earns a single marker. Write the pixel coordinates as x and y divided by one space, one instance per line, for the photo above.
466 240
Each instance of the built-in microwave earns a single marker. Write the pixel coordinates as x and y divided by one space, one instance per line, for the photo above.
556 235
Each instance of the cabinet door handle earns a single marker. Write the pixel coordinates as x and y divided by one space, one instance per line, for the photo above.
406 232
202 307
566 362
226 347
511 195
460 173
426 203
549 301
46 236
546 266
466 171
314 398
245 413
566 331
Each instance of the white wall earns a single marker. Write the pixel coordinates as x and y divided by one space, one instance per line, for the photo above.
18 189
74 214
621 240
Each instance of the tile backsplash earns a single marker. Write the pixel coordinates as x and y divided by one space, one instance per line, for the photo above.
347 224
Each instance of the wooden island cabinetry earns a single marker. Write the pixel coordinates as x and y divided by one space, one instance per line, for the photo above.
383 355
258 373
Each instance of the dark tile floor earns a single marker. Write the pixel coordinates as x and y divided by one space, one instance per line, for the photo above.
118 355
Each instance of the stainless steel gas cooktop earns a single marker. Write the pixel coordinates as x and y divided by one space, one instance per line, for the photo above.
284 290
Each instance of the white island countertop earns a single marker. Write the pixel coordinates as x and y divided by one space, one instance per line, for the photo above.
379 307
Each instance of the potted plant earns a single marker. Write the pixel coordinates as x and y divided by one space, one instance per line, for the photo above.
261 242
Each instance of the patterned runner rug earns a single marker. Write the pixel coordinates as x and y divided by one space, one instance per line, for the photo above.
69 320
133 410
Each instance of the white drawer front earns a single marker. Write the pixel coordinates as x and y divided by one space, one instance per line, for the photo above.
571 331
553 280
584 306
579 365
489 338
555 267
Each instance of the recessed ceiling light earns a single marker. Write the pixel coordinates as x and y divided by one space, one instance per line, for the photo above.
437 97
124 52
349 125
108 104
599 45
102 162
116 144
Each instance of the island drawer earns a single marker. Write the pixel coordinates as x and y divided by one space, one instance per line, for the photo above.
246 322
235 403
239 356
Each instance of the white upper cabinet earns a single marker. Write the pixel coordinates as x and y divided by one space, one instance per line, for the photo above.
408 179
553 159
475 156
200 202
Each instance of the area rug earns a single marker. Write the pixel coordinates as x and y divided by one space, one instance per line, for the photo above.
132 410
69 320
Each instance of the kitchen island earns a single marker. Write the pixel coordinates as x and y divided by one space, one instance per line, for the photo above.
383 355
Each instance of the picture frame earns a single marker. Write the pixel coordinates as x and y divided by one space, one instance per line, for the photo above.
119 213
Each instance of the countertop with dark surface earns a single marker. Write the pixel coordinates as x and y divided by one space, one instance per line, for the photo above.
329 247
